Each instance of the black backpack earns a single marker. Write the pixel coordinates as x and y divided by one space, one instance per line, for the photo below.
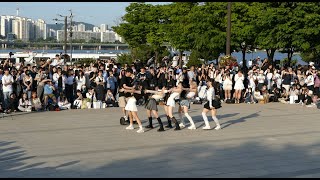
123 121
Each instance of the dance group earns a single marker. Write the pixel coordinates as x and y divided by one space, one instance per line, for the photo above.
166 95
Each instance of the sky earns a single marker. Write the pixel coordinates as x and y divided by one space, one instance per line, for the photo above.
95 13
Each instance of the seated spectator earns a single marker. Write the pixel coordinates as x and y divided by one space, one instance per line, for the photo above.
257 95
78 102
63 102
24 103
275 91
265 93
110 100
293 95
284 98
13 103
248 96
48 93
35 102
91 97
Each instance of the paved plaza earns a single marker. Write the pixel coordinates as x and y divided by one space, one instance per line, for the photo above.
261 140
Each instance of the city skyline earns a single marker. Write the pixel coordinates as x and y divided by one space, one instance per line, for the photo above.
95 13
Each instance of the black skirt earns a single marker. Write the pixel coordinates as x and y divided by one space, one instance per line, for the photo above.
215 103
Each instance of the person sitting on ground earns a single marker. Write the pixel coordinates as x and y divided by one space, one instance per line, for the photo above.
275 91
265 93
48 93
35 102
293 94
248 96
284 98
91 97
257 95
24 103
13 103
78 102
63 102
110 100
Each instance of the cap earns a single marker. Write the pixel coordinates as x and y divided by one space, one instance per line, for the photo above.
115 66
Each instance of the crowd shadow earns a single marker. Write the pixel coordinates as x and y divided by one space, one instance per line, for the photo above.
179 160
12 163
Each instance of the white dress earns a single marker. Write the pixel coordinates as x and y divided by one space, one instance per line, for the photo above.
171 102
227 84
131 104
238 82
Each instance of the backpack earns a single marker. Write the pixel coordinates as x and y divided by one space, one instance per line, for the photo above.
123 121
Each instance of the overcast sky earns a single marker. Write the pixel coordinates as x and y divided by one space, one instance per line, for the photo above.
91 12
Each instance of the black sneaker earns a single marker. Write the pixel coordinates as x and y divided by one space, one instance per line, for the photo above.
169 126
161 129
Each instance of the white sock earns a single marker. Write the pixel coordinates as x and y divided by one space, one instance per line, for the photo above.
140 127
205 118
190 119
216 120
125 117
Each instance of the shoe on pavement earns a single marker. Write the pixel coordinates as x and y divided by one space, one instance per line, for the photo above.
140 130
130 127
217 127
206 128
192 127
181 125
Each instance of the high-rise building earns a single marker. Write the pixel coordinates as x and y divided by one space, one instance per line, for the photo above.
108 36
5 25
85 35
41 29
81 27
52 33
96 29
103 27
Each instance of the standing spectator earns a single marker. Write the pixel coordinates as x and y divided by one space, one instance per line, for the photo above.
239 86
81 81
69 86
7 81
111 83
261 79
100 86
27 84
227 85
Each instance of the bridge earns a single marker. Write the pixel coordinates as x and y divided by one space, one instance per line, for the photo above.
46 45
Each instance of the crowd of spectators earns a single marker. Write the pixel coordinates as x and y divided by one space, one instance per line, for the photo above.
51 85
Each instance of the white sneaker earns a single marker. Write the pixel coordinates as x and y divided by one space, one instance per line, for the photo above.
130 127
217 127
192 127
140 130
206 127
182 125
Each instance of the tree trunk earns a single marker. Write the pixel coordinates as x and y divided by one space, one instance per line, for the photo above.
180 58
290 53
156 58
270 54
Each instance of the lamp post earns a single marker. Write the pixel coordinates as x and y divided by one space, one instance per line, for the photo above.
65 31
71 16
244 48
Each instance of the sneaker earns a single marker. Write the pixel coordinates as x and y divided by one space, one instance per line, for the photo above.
182 125
130 127
217 127
206 128
192 127
140 130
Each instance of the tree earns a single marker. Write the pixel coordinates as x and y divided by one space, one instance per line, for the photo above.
209 29
178 32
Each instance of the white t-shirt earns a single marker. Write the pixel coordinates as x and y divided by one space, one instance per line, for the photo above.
310 80
7 79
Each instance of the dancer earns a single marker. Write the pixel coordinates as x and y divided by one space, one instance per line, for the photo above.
168 86
175 92
186 96
131 108
212 105
126 82
151 106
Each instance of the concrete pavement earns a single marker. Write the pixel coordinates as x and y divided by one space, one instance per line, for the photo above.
258 140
